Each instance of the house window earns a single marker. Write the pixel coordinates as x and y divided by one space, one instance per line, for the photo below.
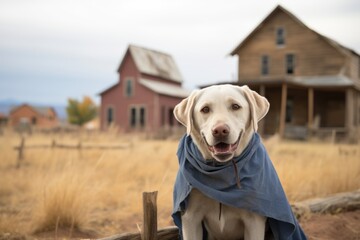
290 63
142 117
129 88
171 117
109 115
33 120
133 117
289 110
264 65
137 117
280 37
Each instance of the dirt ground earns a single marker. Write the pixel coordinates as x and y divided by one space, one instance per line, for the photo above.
317 227
327 227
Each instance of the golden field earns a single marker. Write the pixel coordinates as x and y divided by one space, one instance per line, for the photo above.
98 191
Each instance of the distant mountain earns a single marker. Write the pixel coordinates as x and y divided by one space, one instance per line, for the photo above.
7 104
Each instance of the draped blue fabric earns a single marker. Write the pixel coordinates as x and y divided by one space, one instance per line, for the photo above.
260 192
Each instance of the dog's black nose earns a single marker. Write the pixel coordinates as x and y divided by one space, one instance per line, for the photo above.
220 130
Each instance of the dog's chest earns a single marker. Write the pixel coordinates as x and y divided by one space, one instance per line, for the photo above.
220 220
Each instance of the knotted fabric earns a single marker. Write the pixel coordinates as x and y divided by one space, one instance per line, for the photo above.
260 192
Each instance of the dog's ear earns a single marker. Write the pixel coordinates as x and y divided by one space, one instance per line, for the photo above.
183 112
259 105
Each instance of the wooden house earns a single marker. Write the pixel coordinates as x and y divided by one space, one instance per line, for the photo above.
311 81
149 87
26 115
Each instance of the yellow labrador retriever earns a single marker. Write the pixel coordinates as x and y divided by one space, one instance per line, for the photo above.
221 121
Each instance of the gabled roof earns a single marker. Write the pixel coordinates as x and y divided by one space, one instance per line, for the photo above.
153 63
165 88
278 9
41 110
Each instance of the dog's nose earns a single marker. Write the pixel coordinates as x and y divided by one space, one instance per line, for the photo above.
220 130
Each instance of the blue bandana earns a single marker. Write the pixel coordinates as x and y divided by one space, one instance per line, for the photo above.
260 192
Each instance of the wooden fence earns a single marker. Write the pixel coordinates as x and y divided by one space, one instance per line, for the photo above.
79 146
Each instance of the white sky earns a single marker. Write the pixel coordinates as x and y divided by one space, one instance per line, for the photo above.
51 50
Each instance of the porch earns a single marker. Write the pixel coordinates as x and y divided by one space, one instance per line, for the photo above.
300 112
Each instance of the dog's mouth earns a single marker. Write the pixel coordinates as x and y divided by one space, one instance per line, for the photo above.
222 149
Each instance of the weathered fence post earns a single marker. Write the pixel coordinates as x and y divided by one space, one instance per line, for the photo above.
21 152
149 230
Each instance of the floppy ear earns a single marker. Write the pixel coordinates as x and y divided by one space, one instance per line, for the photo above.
184 110
259 105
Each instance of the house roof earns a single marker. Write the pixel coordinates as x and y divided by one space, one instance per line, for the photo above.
279 8
109 88
165 88
154 63
44 111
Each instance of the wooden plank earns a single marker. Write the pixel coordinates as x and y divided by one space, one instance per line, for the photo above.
149 230
340 202
283 109
168 233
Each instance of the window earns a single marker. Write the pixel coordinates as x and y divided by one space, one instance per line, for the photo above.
280 37
142 117
129 88
109 115
264 65
171 117
137 117
290 63
133 117
289 109
33 120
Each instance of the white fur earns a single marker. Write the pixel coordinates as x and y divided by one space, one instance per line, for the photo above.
235 111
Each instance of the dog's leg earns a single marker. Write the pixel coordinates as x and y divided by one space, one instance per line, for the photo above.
254 227
191 227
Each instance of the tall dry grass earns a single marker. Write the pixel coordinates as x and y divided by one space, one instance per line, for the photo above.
101 189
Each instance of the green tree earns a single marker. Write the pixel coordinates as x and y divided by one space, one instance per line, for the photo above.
80 113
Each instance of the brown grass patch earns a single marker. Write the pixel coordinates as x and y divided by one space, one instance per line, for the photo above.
101 190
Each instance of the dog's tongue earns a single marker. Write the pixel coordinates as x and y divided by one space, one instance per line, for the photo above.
221 148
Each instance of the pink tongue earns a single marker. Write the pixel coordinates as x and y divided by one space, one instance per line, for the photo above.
222 148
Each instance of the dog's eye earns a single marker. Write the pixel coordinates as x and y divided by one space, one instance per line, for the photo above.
205 110
235 106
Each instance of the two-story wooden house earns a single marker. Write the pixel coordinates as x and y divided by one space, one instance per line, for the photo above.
148 89
312 82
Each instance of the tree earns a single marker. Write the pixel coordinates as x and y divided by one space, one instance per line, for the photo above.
80 113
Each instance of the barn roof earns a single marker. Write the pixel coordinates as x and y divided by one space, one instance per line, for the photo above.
165 88
154 63
278 9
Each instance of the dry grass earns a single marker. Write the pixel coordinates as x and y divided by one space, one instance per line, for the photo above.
101 189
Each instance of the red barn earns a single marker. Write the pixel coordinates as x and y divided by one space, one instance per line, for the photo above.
148 89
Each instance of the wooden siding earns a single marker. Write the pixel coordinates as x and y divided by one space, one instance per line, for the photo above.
313 55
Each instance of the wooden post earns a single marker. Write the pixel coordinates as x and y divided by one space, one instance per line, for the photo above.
21 152
261 124
149 231
283 110
310 110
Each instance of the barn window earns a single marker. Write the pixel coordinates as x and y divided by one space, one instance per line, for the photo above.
290 63
109 115
264 65
280 37
129 88
133 117
137 117
171 117
142 117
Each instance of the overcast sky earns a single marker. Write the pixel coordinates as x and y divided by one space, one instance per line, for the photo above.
51 50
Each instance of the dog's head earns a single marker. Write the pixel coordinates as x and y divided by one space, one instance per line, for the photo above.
221 119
